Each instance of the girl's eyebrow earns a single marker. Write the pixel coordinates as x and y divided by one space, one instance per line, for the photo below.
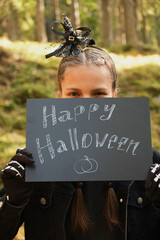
100 89
97 89
75 89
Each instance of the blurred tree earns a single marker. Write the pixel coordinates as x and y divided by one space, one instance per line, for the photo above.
4 18
143 26
56 12
122 23
9 20
116 23
135 12
49 18
113 22
56 9
89 11
13 22
107 33
51 14
75 15
17 18
152 12
130 22
40 20
157 22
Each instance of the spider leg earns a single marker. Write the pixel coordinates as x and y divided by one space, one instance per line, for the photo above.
57 51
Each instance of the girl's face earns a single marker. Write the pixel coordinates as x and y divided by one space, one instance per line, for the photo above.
86 82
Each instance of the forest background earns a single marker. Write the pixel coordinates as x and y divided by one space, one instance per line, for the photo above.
128 29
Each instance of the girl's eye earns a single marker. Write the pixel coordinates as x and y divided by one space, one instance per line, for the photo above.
100 94
73 94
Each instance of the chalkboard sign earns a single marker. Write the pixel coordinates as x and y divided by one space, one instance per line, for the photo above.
88 139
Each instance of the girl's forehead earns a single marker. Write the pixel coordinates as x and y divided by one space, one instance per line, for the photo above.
88 77
87 71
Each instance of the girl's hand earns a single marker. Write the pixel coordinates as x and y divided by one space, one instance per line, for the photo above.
13 177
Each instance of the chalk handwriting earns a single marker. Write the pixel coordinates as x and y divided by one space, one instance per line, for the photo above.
93 108
78 111
76 140
98 143
106 109
62 147
65 117
113 139
135 146
84 140
45 116
49 146
74 115
39 151
85 165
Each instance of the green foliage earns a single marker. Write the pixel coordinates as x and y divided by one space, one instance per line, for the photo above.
143 79
120 48
5 120
24 14
20 79
19 123
137 49
30 91
144 82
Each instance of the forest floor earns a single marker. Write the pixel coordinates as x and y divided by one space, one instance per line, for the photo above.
25 73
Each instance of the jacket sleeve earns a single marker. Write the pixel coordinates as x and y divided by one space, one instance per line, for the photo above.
11 218
156 156
156 159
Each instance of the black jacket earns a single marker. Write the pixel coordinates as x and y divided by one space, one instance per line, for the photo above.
45 213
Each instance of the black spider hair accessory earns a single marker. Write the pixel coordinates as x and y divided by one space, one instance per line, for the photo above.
73 41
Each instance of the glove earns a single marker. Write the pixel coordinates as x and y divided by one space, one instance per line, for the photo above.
152 184
13 177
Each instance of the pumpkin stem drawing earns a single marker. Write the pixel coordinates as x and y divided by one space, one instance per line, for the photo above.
85 165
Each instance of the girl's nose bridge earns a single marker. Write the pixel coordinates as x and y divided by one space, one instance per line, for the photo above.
87 95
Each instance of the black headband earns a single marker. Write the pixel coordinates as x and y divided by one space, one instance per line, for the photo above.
74 41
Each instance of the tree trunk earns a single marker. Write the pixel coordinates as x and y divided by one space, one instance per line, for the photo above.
143 28
56 10
107 30
41 26
130 26
4 26
157 20
75 16
135 6
13 23
52 12
122 22
4 19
